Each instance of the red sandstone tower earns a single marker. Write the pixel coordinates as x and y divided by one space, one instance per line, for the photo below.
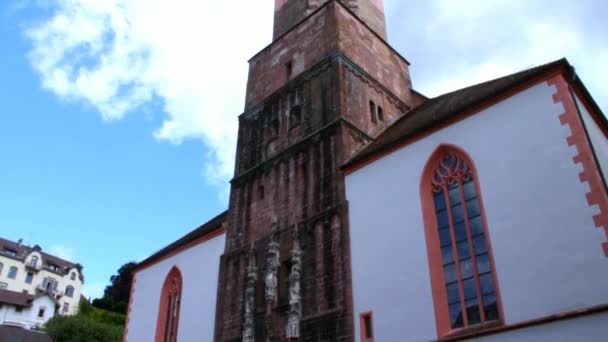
325 86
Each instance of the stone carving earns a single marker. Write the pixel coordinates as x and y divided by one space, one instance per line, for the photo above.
273 264
295 297
249 319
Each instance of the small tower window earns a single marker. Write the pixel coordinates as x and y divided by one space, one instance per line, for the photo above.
41 312
261 191
372 111
295 116
380 114
367 327
289 69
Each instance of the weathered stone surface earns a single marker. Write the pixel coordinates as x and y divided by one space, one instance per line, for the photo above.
296 132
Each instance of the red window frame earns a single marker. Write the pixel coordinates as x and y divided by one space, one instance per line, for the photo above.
436 178
167 323
366 336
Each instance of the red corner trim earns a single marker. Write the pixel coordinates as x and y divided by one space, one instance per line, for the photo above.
590 174
124 335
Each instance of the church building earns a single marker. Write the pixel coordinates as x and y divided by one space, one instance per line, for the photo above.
361 210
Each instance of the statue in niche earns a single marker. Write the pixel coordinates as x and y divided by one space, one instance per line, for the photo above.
273 264
249 323
295 297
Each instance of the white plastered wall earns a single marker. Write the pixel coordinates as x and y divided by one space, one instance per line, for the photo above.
63 281
199 266
597 137
547 250
28 317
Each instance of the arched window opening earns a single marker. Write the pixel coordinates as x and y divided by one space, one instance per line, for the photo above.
465 293
170 302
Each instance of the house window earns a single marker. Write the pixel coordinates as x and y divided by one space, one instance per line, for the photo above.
65 308
12 272
168 314
367 327
29 276
69 291
465 294
3 285
41 312
1 267
34 261
49 284
18 309
372 111
73 276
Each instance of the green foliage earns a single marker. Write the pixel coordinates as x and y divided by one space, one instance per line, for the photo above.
116 295
89 325
81 328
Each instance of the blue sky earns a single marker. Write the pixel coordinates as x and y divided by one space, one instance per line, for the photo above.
119 116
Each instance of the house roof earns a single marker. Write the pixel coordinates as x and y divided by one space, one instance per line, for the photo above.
16 298
448 106
24 250
17 334
22 299
205 229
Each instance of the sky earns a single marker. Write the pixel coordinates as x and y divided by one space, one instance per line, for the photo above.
119 117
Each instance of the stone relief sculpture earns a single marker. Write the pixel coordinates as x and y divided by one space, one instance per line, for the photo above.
273 264
249 319
295 297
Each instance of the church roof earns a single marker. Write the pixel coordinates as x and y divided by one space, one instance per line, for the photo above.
203 230
445 107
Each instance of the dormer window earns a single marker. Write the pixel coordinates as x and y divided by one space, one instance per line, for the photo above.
73 276
10 252
53 267
33 261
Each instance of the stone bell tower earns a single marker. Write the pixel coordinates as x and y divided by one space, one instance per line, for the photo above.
325 87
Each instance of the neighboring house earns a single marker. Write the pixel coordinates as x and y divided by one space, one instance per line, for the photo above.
360 210
25 310
490 216
29 269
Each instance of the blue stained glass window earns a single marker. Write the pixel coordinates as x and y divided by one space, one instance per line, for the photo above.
473 207
474 274
447 254
466 268
454 194
439 201
457 213
469 190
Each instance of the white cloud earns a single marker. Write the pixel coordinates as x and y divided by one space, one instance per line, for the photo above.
118 55
93 290
62 252
453 44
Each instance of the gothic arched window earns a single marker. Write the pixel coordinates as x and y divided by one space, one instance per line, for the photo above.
168 311
465 293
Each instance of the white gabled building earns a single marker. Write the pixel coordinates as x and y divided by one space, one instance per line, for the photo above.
29 269
483 215
27 311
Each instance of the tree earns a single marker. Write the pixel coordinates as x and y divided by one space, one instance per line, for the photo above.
116 295
89 325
